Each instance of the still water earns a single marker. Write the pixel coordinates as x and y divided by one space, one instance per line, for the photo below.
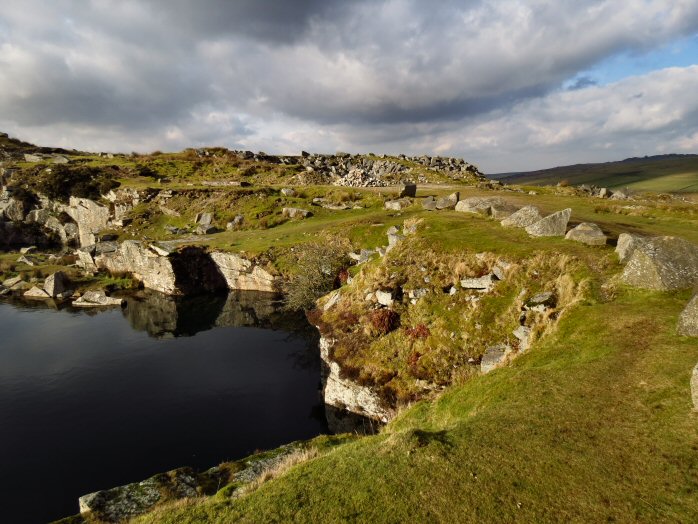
91 400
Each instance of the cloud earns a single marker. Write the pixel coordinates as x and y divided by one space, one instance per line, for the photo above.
319 74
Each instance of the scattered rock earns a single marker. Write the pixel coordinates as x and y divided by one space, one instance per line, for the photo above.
236 222
294 212
448 202
662 264
203 229
334 298
408 190
204 219
393 205
97 299
688 320
524 217
587 233
523 334
25 260
37 293
481 284
429 203
551 226
493 357
384 298
500 269
27 250
28 157
546 299
12 282
288 192
56 284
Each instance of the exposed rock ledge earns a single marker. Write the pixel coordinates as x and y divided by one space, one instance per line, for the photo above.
347 395
171 273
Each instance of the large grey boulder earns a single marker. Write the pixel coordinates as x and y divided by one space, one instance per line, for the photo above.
524 217
688 320
477 205
662 264
626 246
554 225
56 284
448 202
587 233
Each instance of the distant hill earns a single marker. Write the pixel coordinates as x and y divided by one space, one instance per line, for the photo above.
666 173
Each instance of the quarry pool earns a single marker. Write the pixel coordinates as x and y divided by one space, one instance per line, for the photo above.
94 399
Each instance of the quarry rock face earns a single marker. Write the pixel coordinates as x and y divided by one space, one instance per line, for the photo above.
554 225
345 394
524 217
133 256
587 233
688 320
662 264
240 273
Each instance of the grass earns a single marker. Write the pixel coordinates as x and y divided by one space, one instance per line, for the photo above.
593 425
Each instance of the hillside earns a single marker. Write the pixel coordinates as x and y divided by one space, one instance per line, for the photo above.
522 375
662 173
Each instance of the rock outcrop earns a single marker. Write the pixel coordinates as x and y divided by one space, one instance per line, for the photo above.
662 264
90 217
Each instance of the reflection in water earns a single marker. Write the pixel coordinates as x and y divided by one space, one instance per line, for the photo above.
164 316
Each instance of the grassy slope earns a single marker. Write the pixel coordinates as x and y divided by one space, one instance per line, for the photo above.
593 425
651 174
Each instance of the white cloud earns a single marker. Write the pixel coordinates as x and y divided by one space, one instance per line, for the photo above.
479 79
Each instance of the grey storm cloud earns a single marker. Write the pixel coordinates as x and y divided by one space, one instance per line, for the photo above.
407 73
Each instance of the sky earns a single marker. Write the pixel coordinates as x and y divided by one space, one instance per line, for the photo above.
510 85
